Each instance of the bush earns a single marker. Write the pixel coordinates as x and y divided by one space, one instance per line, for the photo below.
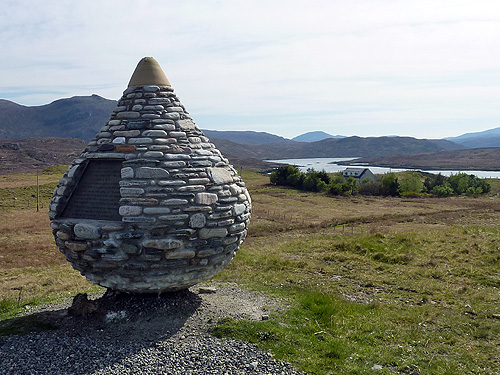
442 191
281 174
390 184
291 176
313 182
340 186
463 183
410 184
371 188
434 180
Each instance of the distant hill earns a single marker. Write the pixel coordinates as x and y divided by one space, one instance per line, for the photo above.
245 137
470 159
28 155
487 138
343 147
77 117
314 136
82 117
31 154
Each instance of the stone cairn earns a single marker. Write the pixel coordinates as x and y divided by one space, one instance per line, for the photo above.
150 205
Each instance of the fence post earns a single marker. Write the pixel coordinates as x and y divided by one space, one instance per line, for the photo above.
37 191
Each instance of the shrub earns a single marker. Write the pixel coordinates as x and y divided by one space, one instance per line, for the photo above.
442 191
280 175
410 184
291 176
370 188
340 186
390 184
434 180
313 183
463 183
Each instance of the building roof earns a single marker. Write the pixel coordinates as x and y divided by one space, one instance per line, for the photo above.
355 172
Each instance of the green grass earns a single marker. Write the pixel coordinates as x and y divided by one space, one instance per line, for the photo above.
25 197
57 170
411 285
11 309
11 324
309 332
325 334
18 190
422 301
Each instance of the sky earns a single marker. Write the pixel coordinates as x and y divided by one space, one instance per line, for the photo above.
425 69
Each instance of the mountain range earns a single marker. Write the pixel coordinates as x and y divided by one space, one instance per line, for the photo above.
314 136
472 159
487 138
333 147
77 117
81 117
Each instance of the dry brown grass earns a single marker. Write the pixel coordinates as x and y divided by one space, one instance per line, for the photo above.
30 259
26 179
30 263
26 283
31 266
26 240
280 208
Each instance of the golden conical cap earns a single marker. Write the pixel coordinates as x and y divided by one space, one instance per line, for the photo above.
148 72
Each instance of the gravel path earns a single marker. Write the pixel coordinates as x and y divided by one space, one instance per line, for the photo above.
165 334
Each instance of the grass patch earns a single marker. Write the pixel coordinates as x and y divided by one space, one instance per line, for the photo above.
12 324
410 285
24 197
308 333
9 308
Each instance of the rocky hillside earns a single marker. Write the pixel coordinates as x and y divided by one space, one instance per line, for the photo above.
28 155
337 147
31 154
479 158
81 117
245 137
77 117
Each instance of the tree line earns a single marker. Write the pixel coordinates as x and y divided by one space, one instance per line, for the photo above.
409 183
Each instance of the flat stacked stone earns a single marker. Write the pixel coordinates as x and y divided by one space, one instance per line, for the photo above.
183 208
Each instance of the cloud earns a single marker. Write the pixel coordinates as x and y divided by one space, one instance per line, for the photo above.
363 67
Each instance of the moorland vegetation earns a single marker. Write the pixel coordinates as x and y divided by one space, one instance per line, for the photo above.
381 284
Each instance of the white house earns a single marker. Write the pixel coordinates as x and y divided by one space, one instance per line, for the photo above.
359 174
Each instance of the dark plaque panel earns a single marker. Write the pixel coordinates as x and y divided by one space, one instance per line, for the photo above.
97 194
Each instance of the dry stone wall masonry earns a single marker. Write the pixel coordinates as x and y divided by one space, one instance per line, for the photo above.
175 211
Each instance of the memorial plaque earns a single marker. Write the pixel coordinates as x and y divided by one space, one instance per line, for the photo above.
97 193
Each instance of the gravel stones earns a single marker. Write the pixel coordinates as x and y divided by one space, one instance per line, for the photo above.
147 334
173 187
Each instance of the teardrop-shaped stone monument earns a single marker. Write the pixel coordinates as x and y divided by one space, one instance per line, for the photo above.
150 205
